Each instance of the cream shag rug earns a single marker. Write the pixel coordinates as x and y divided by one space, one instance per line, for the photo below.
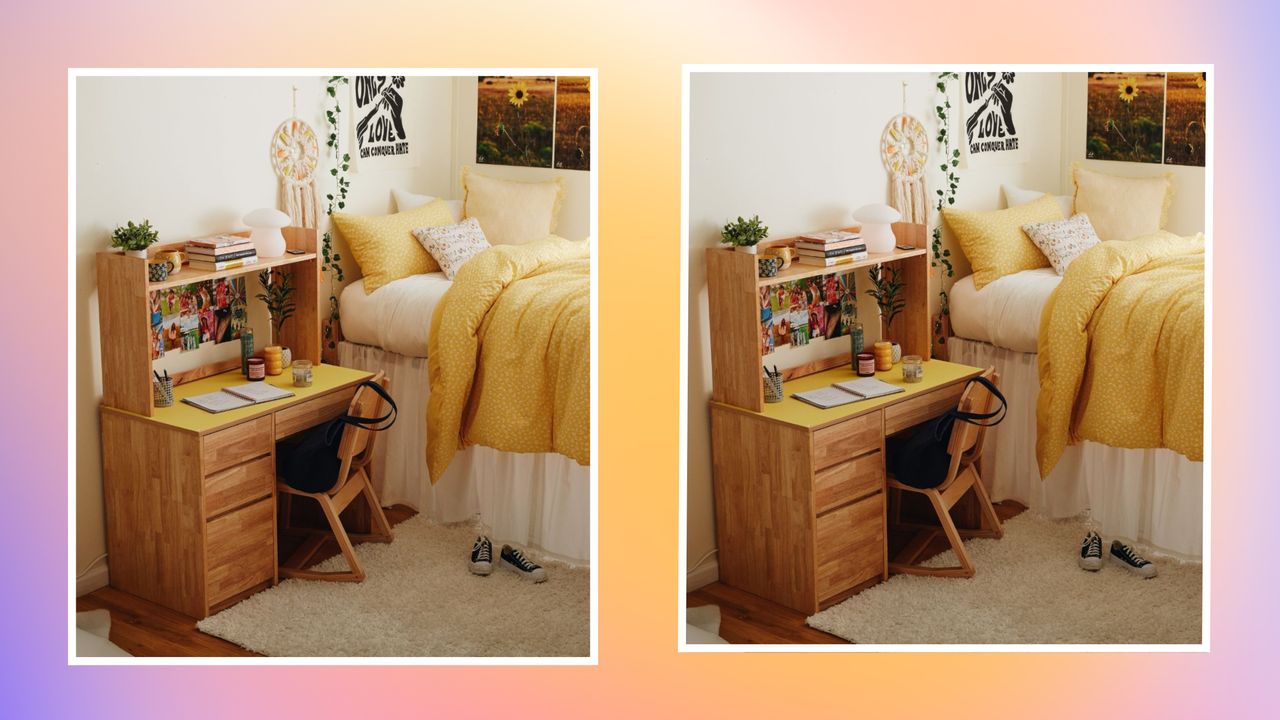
418 599
1028 589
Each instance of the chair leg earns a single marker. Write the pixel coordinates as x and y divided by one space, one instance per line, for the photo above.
953 535
964 569
381 529
355 574
984 504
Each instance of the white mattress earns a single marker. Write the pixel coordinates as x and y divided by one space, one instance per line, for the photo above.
1005 313
397 316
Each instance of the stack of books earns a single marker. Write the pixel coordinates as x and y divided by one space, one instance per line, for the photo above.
221 252
830 248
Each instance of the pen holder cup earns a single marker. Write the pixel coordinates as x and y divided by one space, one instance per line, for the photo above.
162 392
773 389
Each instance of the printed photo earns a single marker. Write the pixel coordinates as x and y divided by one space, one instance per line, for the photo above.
514 120
1184 118
573 123
1125 117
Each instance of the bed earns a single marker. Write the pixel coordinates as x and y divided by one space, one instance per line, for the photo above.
1159 504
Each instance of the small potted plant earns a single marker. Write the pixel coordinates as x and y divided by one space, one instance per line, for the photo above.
134 239
744 234
277 295
886 289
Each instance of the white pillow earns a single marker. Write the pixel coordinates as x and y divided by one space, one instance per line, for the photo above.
453 245
407 201
1015 196
1063 240
511 212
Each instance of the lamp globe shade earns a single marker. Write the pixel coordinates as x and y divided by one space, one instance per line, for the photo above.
267 239
877 231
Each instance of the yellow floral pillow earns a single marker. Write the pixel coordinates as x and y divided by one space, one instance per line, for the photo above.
1123 208
384 245
994 241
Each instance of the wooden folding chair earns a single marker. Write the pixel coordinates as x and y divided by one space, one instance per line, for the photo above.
355 450
965 448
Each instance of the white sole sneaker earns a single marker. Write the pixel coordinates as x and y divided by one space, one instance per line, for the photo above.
480 568
1147 571
1092 564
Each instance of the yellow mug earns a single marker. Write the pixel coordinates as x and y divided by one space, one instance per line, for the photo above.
784 252
172 258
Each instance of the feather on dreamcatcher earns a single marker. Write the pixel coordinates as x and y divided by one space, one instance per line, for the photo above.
904 150
295 155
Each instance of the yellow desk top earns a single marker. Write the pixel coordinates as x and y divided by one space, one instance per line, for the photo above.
325 378
791 411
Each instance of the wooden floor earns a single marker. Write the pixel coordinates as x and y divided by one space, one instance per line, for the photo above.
144 629
747 618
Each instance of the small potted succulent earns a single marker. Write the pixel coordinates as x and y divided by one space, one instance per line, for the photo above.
744 234
134 239
886 289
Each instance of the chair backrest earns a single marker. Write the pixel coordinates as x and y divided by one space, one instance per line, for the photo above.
966 438
357 442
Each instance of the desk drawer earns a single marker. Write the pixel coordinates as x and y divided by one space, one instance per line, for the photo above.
843 441
237 444
310 413
850 546
839 484
240 550
238 485
927 405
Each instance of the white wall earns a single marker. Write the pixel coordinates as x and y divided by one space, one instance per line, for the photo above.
802 151
1186 214
191 155
575 209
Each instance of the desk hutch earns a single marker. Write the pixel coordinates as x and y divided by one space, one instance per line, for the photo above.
800 491
190 495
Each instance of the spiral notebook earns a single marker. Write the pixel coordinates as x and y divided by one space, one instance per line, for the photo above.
238 396
850 391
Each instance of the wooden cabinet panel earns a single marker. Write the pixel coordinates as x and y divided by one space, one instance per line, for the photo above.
848 481
238 443
312 412
908 413
850 546
847 439
238 485
240 550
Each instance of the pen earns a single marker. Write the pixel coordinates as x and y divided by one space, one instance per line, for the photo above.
153 372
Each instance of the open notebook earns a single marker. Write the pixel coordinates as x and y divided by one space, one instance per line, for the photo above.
238 396
843 393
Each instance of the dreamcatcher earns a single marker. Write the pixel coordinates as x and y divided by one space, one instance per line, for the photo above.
904 150
295 155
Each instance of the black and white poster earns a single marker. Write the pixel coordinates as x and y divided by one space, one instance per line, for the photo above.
991 130
381 123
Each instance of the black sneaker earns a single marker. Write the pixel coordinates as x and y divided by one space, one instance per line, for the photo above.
1091 552
481 556
1132 561
516 560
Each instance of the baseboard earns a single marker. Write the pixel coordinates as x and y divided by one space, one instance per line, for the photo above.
95 579
703 575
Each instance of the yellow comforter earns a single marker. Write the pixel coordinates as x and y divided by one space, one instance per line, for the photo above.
509 354
1122 350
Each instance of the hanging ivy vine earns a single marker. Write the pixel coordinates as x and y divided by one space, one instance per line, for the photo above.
331 261
946 197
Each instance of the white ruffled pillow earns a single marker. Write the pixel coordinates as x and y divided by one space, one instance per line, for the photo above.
453 245
1015 196
406 200
1061 241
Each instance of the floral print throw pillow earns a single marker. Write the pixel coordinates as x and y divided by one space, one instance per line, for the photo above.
453 245
1061 241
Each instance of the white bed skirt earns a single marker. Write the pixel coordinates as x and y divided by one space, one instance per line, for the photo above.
1155 497
535 500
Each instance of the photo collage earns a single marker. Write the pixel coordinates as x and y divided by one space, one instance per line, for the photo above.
187 316
797 312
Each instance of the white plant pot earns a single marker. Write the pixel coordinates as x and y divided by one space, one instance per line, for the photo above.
748 249
136 253
897 353
286 356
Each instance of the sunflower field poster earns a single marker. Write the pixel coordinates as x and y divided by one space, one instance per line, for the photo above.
1185 100
1125 118
515 120
991 134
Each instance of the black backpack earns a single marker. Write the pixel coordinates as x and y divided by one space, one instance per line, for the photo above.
311 463
921 460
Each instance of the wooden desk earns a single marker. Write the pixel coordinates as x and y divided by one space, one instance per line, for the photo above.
800 491
190 495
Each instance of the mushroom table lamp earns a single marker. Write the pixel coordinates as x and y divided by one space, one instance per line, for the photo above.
876 221
267 239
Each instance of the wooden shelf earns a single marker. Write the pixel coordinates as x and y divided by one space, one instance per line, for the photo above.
799 271
191 275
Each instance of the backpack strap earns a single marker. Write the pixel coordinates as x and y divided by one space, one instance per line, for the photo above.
375 424
975 418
